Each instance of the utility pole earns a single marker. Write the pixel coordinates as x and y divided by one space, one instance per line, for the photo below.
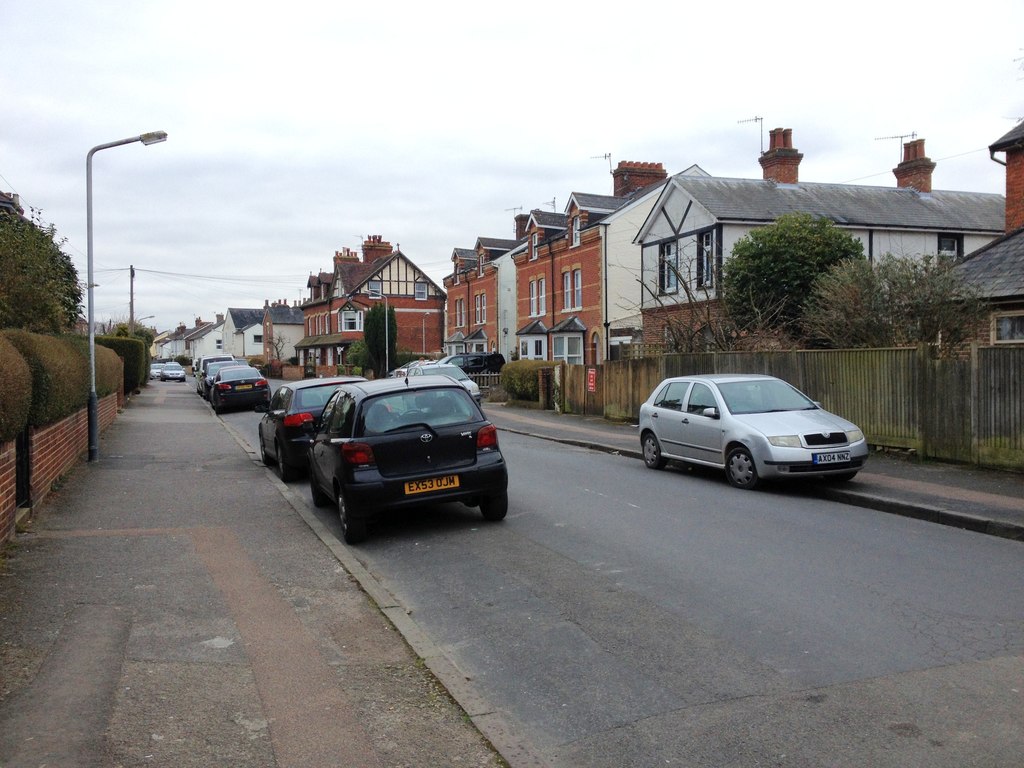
131 300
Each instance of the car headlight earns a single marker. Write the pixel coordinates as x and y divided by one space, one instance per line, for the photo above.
785 441
854 435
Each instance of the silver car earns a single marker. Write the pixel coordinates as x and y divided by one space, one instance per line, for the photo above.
754 427
451 371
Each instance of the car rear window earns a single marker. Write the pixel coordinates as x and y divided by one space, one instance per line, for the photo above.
313 398
433 407
234 374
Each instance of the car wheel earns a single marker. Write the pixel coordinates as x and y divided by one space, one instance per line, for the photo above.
353 530
284 471
320 499
652 452
264 456
494 508
740 468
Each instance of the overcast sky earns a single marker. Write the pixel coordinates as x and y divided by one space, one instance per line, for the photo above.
296 129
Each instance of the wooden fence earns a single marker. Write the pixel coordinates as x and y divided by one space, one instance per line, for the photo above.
968 410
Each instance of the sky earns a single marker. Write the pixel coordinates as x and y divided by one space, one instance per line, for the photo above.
298 129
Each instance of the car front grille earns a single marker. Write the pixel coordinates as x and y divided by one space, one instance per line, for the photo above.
818 439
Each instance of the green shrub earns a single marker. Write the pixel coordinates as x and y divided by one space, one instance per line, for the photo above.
60 375
15 390
519 378
135 356
109 368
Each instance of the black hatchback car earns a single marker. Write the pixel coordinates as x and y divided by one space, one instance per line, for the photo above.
286 428
395 443
238 387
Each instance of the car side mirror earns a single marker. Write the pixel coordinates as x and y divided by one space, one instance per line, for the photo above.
711 413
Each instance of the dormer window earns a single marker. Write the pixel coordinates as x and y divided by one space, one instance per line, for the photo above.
534 246
576 224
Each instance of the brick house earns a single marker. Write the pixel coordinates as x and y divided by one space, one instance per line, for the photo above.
576 274
283 328
997 269
481 298
693 226
338 301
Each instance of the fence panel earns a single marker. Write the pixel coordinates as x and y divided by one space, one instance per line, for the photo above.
999 397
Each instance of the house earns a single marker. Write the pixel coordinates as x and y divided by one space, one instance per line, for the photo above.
182 340
338 301
242 332
283 328
481 297
997 269
576 276
694 224
207 340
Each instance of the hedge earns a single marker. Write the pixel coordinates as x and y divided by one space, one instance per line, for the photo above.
15 390
136 359
109 367
60 375
519 378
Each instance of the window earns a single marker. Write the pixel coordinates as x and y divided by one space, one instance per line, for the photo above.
672 395
568 348
460 312
374 286
701 397
257 338
351 320
950 245
483 308
542 303
572 290
1009 328
533 298
575 231
567 290
577 288
480 266
534 243
706 260
668 268
421 291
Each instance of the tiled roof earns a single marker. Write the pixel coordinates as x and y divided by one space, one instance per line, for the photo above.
880 207
550 220
605 203
244 317
285 315
997 269
1014 138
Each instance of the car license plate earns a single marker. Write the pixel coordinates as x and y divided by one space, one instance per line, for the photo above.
831 458
243 386
431 484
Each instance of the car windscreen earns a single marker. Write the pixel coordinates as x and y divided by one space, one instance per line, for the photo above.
763 396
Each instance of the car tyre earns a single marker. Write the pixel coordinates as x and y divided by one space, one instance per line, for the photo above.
740 469
320 499
494 508
652 452
264 456
284 471
353 530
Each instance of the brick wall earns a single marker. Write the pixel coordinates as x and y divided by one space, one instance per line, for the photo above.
53 450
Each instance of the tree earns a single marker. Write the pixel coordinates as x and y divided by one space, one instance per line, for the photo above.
899 302
40 290
769 275
373 336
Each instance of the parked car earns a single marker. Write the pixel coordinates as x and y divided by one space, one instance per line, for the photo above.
172 372
286 429
211 370
754 427
476 362
200 366
238 387
452 371
154 370
395 443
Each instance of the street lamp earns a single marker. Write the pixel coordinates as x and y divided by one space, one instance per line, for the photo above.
387 321
153 137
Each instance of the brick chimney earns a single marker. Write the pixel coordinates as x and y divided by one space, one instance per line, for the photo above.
346 255
374 247
522 220
220 317
781 163
1013 145
630 176
915 172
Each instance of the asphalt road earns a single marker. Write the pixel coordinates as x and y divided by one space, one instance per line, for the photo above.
620 616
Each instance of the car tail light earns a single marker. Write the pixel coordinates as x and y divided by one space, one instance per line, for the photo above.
487 438
298 419
223 387
357 453
261 383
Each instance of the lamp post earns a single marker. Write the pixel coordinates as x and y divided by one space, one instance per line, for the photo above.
152 137
387 321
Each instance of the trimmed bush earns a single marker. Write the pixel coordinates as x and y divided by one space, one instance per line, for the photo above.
15 390
109 368
135 356
519 378
60 375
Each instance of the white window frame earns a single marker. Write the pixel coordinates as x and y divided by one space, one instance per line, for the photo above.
534 246
533 298
566 291
567 347
420 290
668 267
375 286
576 223
1007 321
577 288
706 260
350 317
542 299
533 347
